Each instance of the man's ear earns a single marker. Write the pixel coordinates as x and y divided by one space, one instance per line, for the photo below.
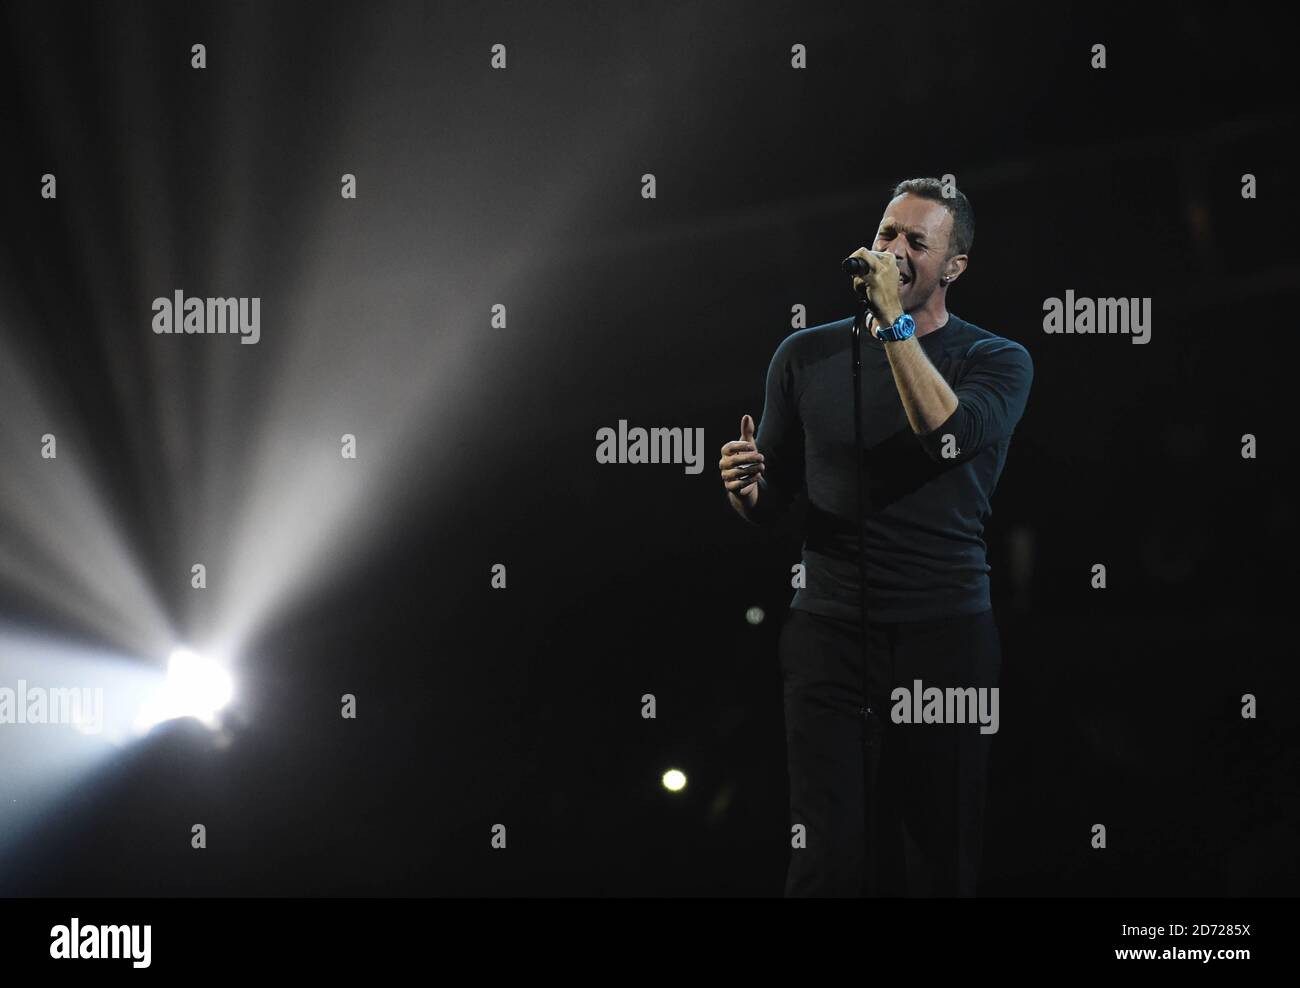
953 267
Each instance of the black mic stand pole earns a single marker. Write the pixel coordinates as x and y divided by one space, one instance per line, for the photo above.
868 869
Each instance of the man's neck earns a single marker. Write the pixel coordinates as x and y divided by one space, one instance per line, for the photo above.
931 316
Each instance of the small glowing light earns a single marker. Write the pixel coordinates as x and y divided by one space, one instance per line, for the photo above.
674 780
195 687
755 615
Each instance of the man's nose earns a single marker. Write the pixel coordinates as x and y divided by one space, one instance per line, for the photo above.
895 247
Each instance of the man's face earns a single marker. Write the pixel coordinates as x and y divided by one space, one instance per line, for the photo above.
915 231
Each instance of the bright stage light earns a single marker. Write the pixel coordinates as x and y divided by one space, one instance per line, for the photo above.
195 687
674 780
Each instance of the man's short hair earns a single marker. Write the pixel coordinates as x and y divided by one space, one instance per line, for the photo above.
962 237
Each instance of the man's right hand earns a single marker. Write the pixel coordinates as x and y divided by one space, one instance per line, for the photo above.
742 464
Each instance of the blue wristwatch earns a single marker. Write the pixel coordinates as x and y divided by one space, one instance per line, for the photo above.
904 326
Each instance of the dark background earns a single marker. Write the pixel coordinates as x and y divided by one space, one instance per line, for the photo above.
523 706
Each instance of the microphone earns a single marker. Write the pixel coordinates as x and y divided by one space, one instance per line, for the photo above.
856 265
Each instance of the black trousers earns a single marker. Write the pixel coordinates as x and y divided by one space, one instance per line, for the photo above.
889 809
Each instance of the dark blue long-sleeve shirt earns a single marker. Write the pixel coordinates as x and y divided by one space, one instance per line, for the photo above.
926 556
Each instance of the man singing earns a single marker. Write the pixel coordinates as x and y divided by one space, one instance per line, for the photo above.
882 805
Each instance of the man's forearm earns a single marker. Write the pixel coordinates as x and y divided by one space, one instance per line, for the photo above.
927 398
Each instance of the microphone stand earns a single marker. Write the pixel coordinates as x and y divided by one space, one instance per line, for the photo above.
868 869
